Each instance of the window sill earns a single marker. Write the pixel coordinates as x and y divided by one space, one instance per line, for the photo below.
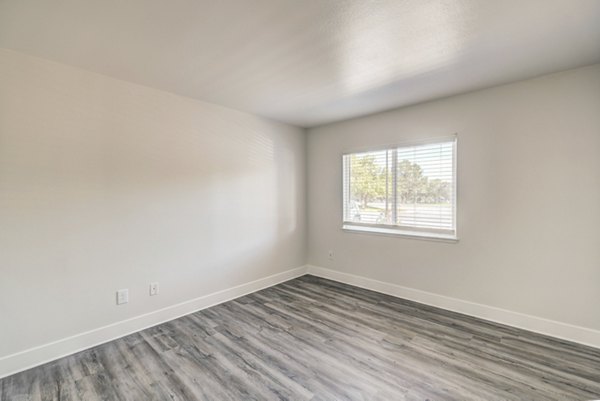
400 233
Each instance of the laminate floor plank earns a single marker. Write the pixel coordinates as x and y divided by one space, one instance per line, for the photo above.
312 339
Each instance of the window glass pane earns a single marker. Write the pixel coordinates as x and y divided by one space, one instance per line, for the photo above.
424 196
408 186
368 190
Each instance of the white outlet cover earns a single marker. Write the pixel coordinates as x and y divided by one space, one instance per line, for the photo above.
153 289
122 296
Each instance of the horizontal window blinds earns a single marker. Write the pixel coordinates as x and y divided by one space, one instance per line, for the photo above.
410 187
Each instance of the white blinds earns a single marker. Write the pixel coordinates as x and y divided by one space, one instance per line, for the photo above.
411 187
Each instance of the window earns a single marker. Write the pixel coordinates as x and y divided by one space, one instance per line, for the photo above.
406 190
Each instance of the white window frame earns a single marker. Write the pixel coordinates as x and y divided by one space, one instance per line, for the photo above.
405 231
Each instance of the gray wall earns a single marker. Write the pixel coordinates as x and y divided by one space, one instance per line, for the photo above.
107 185
528 198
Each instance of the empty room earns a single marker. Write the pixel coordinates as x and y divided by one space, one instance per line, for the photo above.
301 200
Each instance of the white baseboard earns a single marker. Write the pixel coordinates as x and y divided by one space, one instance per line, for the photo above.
565 331
39 355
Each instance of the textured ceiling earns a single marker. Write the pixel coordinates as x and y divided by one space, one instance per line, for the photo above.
309 62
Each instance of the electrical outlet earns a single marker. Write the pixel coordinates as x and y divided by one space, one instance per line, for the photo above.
330 254
122 296
153 289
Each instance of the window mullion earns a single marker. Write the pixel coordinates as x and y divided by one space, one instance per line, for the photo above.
387 185
394 186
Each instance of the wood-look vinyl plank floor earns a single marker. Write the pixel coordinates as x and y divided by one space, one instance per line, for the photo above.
315 339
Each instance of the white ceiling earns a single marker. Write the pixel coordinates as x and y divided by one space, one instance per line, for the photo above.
309 62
